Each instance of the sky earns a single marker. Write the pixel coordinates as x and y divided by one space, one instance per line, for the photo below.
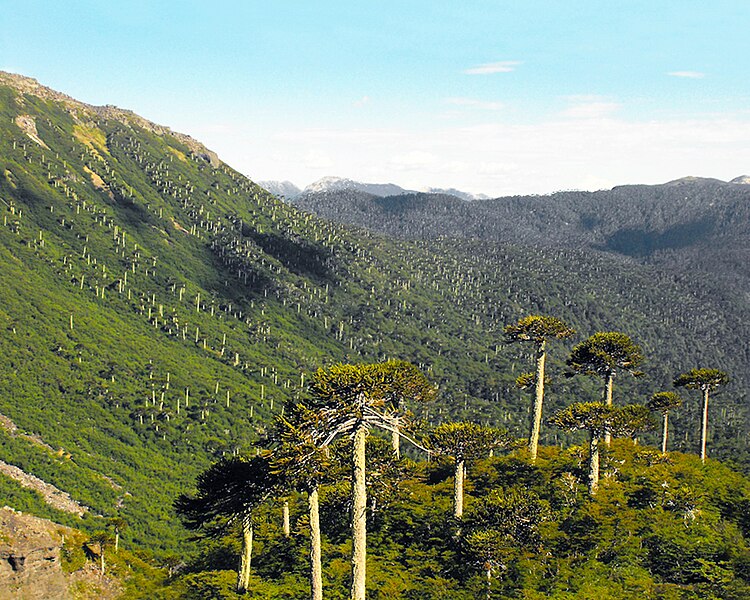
497 97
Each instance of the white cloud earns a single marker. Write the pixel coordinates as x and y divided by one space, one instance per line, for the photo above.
409 161
362 101
316 160
503 158
594 109
687 74
472 103
504 66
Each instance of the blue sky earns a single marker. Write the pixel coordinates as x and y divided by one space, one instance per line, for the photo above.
496 97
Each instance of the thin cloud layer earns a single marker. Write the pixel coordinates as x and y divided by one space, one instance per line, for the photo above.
687 74
504 66
473 103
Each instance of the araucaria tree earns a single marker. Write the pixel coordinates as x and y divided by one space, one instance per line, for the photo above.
663 402
351 399
228 492
304 464
705 380
599 419
603 355
464 442
537 330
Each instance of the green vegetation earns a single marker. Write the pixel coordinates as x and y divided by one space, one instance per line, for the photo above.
659 526
160 311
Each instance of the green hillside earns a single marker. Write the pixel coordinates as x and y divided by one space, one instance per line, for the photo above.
157 308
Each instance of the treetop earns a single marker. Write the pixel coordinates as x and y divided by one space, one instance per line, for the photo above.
537 328
701 379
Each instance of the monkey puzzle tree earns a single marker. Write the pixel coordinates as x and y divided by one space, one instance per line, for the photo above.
101 539
464 442
351 399
501 525
304 464
663 402
537 330
118 525
705 380
599 419
228 492
603 355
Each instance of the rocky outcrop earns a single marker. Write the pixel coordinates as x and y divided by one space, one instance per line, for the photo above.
30 566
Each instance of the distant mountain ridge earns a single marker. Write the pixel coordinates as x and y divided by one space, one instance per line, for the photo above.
289 191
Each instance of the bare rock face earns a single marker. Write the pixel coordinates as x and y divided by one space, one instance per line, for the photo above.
30 566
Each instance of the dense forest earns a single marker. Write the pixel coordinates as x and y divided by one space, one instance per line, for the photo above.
160 311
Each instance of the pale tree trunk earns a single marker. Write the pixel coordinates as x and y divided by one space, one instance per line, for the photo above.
316 569
593 464
101 559
458 489
285 518
117 541
396 442
536 422
243 579
704 425
359 515
665 433
608 401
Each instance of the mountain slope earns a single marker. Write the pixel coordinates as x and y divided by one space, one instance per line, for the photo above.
157 308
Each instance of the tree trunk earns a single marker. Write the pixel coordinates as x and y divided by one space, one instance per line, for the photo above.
101 559
608 401
488 572
316 570
285 518
458 489
593 463
117 541
396 442
536 422
664 433
704 425
359 515
243 579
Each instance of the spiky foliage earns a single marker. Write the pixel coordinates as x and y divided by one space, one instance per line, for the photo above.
371 394
599 420
603 355
705 380
301 462
537 329
464 442
663 402
701 379
501 525
228 492
350 399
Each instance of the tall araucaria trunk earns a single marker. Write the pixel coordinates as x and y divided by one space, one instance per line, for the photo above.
458 489
359 515
536 422
285 518
664 433
704 425
608 401
593 463
316 570
243 579
396 441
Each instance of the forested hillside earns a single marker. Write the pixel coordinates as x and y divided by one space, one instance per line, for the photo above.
158 308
